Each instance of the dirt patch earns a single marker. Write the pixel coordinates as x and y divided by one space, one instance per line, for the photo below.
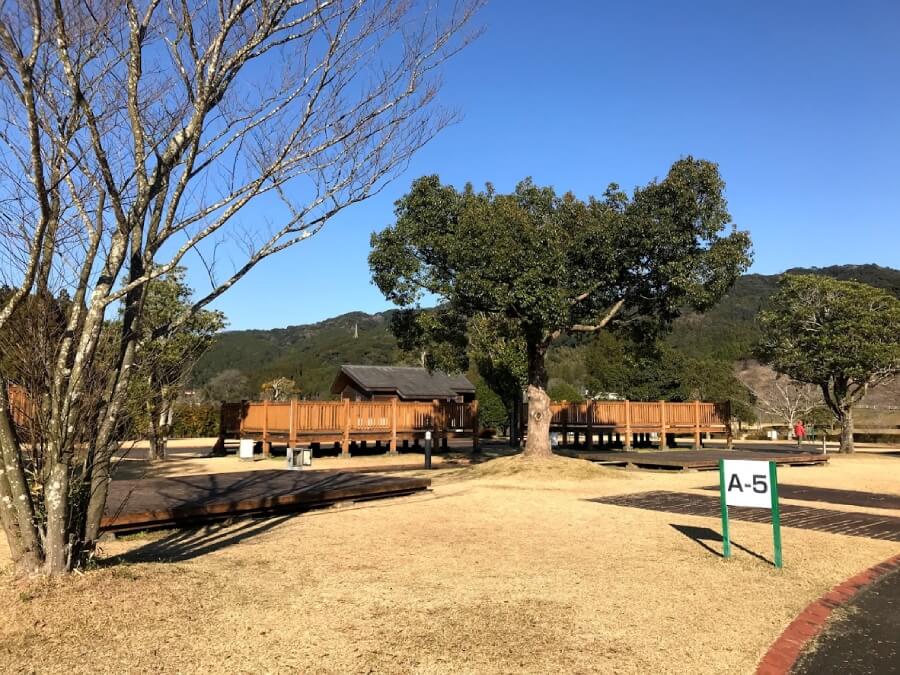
542 469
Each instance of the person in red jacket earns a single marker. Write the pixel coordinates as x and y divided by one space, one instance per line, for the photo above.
799 432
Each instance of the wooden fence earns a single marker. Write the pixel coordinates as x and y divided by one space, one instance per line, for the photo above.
22 409
636 420
391 421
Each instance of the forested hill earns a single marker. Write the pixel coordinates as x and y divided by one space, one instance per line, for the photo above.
310 354
728 330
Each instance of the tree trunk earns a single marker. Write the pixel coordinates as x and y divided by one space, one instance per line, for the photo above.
8 520
159 431
847 430
154 454
17 509
538 442
106 442
514 423
56 501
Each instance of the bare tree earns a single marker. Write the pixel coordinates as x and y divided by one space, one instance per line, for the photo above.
279 389
785 399
136 135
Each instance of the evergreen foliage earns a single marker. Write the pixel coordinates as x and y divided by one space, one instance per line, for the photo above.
842 336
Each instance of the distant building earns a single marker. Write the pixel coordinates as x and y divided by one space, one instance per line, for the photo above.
367 383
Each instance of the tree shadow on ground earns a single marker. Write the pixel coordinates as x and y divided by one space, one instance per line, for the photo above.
701 535
187 544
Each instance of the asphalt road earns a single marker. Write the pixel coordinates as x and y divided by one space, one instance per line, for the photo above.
863 638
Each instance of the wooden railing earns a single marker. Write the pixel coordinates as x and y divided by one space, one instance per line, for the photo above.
345 421
633 418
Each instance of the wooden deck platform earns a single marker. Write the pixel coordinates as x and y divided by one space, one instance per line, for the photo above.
158 502
697 460
809 493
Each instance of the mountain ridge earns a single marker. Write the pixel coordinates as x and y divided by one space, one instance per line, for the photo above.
311 353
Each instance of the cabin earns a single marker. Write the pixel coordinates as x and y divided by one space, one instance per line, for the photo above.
376 383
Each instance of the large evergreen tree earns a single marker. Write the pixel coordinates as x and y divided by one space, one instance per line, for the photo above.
842 336
551 264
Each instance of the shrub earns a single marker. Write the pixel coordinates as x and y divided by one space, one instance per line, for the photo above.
192 421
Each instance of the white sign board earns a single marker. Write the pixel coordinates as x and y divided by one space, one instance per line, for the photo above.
747 483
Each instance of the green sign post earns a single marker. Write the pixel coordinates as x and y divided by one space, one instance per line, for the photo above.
754 484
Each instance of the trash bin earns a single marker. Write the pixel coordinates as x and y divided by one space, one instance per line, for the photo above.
246 449
297 458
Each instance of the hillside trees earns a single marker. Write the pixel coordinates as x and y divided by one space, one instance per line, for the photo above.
228 385
551 265
137 138
841 336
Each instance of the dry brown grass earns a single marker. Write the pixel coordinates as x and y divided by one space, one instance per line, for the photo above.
474 577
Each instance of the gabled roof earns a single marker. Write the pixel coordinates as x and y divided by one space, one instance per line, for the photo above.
406 382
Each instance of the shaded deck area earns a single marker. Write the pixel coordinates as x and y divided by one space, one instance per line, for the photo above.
696 460
807 493
177 501
851 523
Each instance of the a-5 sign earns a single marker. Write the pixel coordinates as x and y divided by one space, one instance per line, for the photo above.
749 483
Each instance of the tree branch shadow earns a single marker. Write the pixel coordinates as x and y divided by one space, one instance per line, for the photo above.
701 535
186 544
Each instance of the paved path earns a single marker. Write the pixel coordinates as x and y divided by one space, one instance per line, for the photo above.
863 638
804 517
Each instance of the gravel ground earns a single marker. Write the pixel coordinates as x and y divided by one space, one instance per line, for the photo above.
501 568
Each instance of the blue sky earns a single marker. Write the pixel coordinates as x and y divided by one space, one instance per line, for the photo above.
798 102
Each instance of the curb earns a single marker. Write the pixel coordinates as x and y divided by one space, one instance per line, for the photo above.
785 651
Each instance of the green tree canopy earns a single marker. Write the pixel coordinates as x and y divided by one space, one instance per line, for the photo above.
840 335
563 391
164 362
550 264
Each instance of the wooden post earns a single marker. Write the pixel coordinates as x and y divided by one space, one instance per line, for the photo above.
345 439
393 447
590 424
520 406
565 425
435 428
292 425
662 425
696 425
219 447
627 425
474 409
729 439
266 444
